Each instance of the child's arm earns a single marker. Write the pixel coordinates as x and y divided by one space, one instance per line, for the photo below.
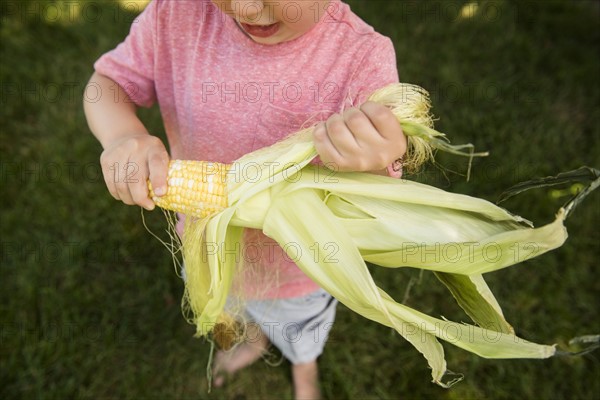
131 155
365 138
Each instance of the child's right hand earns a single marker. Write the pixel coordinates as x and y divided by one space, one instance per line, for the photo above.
127 164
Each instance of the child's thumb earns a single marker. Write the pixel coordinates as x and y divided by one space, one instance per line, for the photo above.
158 166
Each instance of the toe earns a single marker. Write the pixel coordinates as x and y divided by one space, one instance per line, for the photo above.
219 381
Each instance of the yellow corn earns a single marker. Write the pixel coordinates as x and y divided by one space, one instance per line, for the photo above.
196 188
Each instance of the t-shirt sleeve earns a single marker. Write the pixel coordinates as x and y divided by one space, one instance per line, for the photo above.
131 63
377 69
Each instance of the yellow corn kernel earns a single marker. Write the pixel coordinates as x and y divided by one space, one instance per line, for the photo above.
195 188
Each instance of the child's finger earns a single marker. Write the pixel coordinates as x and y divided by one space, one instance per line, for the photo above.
123 194
346 153
337 134
383 120
138 185
109 174
363 131
115 177
327 152
158 165
109 181
321 140
124 176
388 128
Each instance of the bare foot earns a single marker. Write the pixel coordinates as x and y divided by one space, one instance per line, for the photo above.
244 354
306 381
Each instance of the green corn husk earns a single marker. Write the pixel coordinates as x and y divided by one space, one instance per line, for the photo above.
388 222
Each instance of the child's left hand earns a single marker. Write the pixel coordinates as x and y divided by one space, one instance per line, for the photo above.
368 138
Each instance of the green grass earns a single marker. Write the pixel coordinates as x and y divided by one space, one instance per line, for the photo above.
89 302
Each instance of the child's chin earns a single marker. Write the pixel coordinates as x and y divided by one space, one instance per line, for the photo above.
275 39
267 41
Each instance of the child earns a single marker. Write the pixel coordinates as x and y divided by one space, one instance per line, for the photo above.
231 77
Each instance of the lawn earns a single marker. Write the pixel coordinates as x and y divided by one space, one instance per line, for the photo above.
89 300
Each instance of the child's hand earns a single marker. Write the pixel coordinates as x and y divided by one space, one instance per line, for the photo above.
368 138
128 162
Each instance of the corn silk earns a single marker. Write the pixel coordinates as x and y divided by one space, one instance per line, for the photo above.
392 223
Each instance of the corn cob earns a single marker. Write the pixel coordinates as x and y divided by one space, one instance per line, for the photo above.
195 188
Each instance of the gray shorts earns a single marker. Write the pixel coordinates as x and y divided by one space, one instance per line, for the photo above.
298 326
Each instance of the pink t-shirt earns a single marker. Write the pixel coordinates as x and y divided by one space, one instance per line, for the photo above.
222 95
